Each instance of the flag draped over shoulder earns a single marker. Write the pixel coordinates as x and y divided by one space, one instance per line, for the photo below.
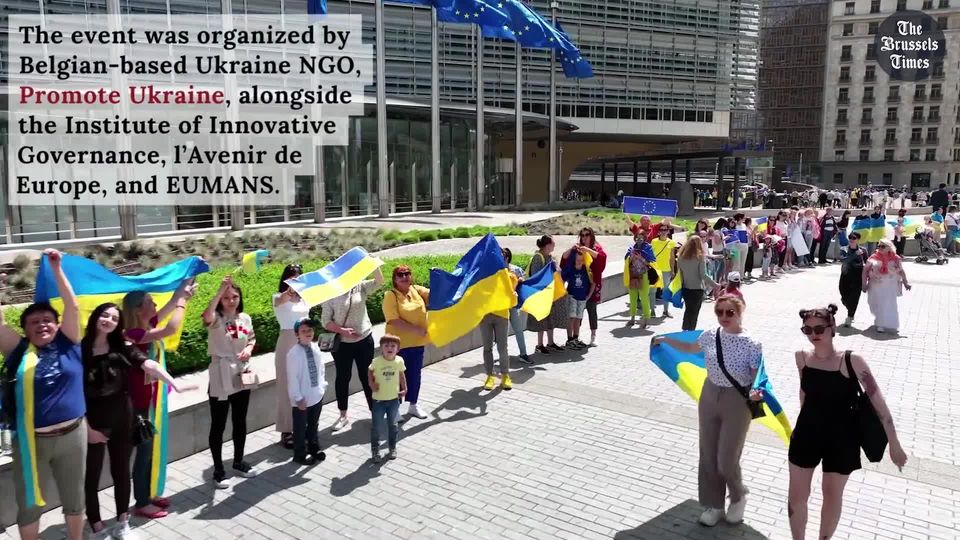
335 278
538 292
94 285
689 372
480 284
647 253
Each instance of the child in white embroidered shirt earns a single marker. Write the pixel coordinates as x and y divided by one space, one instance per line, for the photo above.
306 383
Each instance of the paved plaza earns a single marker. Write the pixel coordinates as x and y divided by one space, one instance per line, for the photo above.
600 444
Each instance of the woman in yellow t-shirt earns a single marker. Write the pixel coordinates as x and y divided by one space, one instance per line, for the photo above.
405 309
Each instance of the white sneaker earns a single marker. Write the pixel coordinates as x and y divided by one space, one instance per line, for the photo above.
711 516
414 410
847 322
735 511
341 423
122 531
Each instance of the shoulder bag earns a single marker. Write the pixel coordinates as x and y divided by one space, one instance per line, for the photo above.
870 432
330 341
142 431
756 407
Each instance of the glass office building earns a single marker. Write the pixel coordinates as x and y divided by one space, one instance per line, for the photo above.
664 73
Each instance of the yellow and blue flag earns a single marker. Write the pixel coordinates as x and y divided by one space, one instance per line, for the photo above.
480 284
911 224
870 229
94 285
671 293
689 372
760 224
336 278
537 293
252 261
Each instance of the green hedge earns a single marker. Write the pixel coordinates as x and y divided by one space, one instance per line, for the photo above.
258 290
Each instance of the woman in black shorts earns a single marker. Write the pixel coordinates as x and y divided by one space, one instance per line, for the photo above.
826 426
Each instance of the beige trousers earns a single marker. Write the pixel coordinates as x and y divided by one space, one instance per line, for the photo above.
724 421
285 341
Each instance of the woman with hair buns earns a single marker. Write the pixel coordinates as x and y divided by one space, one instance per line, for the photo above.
825 430
732 358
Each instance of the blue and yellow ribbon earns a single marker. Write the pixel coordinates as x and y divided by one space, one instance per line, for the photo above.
26 426
159 419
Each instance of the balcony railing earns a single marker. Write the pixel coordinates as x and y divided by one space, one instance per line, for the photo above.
919 97
890 142
893 98
917 119
936 97
933 119
841 121
933 140
840 142
892 120
869 77
868 99
844 78
916 140
868 121
866 142
843 99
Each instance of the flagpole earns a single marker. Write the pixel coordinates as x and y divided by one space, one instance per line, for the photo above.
554 181
383 192
481 146
518 150
434 111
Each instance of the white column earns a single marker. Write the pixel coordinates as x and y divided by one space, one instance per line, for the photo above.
554 181
518 150
382 173
435 185
481 147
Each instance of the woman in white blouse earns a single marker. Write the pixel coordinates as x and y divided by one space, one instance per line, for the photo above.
230 343
289 308
723 414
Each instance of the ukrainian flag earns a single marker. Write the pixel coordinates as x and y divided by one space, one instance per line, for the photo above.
647 253
537 293
95 285
336 278
911 224
689 372
760 224
459 300
672 294
870 229
252 261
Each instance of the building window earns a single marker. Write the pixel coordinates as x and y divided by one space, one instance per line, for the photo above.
891 114
841 136
888 154
916 135
894 94
839 155
863 179
867 116
864 155
944 4
933 137
927 4
890 136
918 180
871 51
872 29
901 5
843 95
870 74
868 94
934 114
841 116
920 92
849 8
931 154
888 179
874 6
848 29
838 178
937 70
917 114
914 154
942 23
846 53
864 136
845 74
956 154
936 92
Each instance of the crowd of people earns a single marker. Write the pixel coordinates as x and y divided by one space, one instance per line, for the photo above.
90 393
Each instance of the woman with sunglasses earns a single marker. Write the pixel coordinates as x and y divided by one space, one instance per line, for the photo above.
288 308
883 277
825 429
723 416
405 309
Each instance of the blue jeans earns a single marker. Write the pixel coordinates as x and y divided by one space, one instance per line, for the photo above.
413 360
305 430
519 324
389 410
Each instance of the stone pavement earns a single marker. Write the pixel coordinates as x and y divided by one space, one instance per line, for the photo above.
599 444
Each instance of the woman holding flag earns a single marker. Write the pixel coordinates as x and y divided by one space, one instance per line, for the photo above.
43 373
140 320
289 308
558 312
405 309
732 358
826 428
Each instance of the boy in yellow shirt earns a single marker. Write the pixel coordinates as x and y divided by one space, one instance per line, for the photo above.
389 384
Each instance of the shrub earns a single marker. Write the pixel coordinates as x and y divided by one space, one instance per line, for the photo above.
22 262
409 238
444 234
461 232
390 235
427 236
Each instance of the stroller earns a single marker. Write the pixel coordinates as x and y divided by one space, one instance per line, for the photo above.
929 249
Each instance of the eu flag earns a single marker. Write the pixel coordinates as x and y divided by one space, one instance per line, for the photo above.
650 207
316 7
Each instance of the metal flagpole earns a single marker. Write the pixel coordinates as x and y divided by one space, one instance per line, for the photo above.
518 150
435 112
383 192
554 181
481 146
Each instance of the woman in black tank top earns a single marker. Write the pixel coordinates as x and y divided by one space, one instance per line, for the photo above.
826 430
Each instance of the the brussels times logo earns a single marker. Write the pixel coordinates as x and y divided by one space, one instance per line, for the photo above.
909 44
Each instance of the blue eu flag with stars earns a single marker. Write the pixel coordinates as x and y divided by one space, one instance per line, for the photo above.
649 206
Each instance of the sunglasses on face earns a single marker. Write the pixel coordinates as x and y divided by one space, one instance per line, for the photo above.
403 274
729 313
817 330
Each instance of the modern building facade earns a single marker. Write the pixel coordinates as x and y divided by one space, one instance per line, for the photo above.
664 74
881 131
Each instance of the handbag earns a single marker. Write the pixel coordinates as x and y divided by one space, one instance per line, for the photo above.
756 407
330 341
870 432
142 432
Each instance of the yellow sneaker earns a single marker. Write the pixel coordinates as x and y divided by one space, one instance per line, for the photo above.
490 382
506 382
